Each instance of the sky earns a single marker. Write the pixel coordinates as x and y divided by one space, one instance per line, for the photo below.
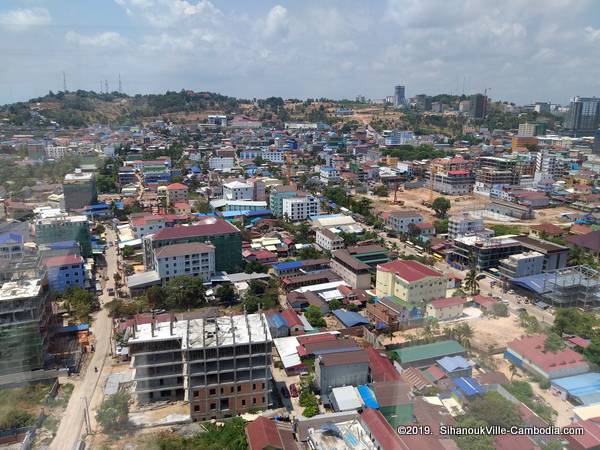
520 50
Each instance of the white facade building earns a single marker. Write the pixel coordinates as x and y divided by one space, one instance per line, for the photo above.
223 163
464 224
522 265
194 259
300 208
237 190
329 175
328 240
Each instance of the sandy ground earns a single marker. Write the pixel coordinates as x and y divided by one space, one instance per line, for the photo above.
495 331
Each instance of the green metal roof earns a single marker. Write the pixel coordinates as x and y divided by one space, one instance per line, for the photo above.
428 351
397 415
398 301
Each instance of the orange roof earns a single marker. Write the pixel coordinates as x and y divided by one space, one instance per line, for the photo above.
176 186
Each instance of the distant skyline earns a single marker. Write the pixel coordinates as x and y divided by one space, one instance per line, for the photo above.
523 50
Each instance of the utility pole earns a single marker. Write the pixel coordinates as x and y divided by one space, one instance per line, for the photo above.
106 86
64 82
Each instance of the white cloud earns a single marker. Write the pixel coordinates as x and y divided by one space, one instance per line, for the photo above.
277 22
592 34
24 19
100 40
169 13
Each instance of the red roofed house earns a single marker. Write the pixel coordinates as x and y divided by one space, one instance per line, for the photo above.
529 354
446 308
381 368
293 321
263 434
484 303
181 208
264 257
65 272
426 229
384 437
546 229
589 440
589 242
176 192
410 281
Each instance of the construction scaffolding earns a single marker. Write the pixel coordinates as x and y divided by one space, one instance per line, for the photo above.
572 286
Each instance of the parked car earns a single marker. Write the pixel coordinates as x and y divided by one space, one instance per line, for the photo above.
293 390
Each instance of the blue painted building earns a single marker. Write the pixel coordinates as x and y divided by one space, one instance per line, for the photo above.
65 272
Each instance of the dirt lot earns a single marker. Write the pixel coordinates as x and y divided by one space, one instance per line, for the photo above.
496 331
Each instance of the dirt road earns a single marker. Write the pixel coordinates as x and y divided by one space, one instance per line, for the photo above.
72 423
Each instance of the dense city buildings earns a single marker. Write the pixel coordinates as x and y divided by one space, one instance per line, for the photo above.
79 189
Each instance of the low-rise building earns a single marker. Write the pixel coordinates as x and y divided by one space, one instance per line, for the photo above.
221 163
427 354
329 175
176 193
11 246
341 369
193 259
354 272
236 190
56 226
400 220
521 265
328 240
410 281
446 308
529 354
464 224
144 224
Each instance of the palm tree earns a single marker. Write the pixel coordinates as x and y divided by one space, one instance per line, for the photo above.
513 371
471 282
576 256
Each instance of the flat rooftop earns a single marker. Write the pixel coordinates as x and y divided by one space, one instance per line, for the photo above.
206 333
20 289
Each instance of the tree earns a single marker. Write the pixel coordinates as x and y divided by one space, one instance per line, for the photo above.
441 226
117 278
495 410
128 251
500 309
184 292
226 293
156 297
553 343
100 229
574 321
381 191
80 303
441 205
334 304
309 252
592 353
255 266
413 231
471 282
473 441
113 413
314 316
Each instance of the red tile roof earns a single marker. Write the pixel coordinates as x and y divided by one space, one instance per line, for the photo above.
579 341
54 261
590 439
590 241
485 302
176 186
409 270
262 433
532 348
303 340
448 302
206 227
381 429
382 368
344 358
292 318
436 372
511 442
549 228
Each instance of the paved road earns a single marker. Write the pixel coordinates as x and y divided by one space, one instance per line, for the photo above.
72 423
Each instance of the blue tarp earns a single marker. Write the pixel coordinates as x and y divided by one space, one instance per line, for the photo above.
349 318
277 321
288 265
469 386
368 397
72 328
512 358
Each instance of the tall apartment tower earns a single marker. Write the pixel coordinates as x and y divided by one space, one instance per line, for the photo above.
221 365
596 144
399 96
584 115
79 189
478 106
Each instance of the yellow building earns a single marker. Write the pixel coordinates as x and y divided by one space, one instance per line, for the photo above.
410 281
519 143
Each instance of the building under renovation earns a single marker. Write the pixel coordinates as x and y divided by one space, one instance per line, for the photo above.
570 286
220 365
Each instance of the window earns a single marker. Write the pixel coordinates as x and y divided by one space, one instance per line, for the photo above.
196 393
196 408
243 402
213 406
212 392
239 388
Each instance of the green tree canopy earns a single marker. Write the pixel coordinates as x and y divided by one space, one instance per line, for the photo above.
113 413
80 303
441 205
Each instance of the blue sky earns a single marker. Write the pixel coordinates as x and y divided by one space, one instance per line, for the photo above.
524 50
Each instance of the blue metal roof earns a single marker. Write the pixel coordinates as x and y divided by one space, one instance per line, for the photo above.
276 320
288 265
469 386
452 363
73 328
62 244
368 397
349 318
534 283
585 387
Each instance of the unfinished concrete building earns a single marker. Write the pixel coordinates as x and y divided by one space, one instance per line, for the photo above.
25 310
572 286
222 366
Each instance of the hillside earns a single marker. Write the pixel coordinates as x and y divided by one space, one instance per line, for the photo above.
82 108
